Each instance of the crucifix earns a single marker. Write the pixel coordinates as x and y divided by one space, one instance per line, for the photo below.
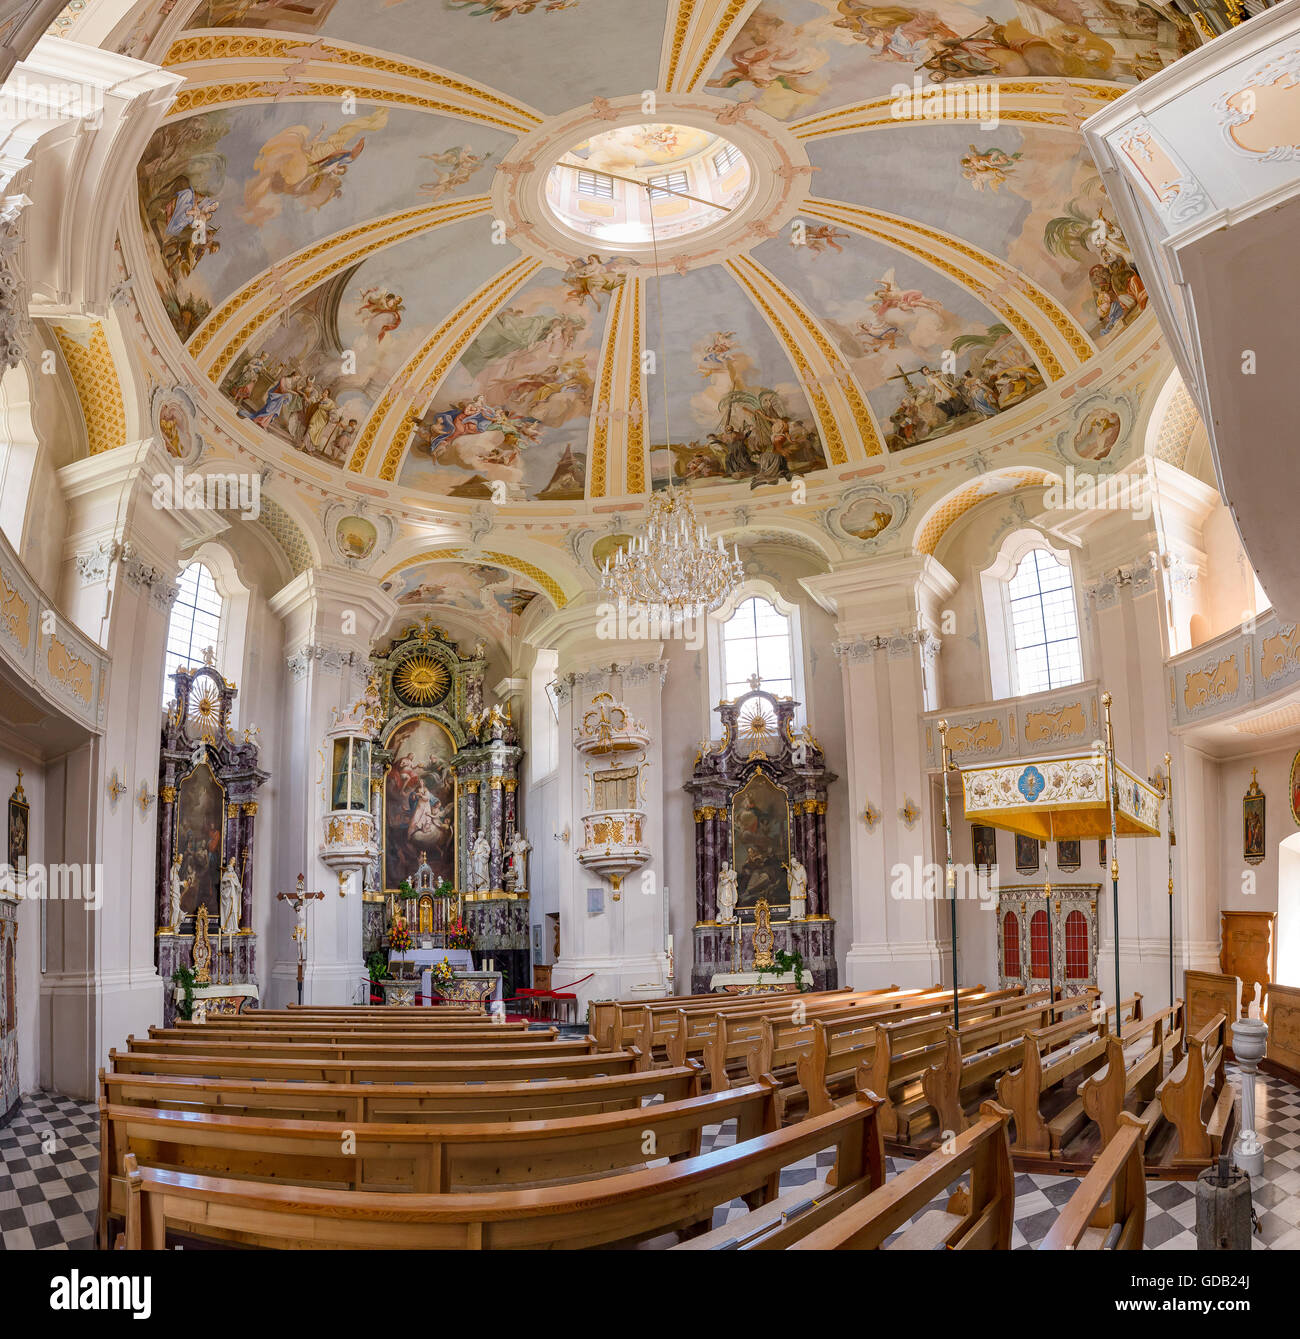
298 900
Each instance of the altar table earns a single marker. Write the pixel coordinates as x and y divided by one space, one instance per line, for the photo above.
460 959
752 983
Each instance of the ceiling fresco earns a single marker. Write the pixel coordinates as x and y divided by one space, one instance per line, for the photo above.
325 220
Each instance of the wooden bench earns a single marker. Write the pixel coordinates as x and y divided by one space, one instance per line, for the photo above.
1109 1209
902 1053
289 1027
1133 1068
673 1036
399 1048
976 1218
417 1158
1195 1081
626 1208
528 1099
723 1041
626 1018
1051 1058
775 1048
477 1070
980 1053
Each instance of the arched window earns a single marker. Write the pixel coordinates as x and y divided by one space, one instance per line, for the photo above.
756 640
1039 947
1076 947
195 624
1033 626
1011 947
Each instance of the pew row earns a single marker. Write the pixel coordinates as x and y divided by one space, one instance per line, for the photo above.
1195 1083
1134 1068
417 1158
626 1208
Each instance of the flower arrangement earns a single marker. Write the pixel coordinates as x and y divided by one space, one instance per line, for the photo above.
441 975
458 935
399 936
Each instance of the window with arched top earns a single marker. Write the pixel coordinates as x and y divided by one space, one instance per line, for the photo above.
195 624
1039 946
757 641
1032 618
1010 946
1076 947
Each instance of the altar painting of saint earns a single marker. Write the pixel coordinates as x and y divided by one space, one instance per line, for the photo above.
419 803
760 842
200 833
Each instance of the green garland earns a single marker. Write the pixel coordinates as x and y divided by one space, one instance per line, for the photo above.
788 962
184 977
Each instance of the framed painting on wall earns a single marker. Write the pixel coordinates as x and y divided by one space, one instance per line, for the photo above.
1069 855
1252 821
760 842
19 826
984 843
1295 789
200 839
1026 854
419 802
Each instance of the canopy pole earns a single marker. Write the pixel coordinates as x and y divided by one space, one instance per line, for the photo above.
950 875
1112 795
1173 841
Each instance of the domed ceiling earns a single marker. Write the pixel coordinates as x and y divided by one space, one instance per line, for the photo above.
347 221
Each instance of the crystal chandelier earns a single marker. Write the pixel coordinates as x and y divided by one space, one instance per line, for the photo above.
672 568
671 571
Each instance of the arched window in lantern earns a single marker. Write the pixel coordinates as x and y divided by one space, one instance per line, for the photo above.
350 772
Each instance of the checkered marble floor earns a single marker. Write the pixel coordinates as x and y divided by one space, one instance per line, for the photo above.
49 1159
1171 1205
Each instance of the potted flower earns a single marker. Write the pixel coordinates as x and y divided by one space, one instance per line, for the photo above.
458 935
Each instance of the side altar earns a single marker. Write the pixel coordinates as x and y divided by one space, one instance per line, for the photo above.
760 797
443 781
206 817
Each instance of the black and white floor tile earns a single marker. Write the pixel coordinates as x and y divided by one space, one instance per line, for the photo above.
49 1159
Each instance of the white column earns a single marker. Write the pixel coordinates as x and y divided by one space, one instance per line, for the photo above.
887 616
330 619
622 946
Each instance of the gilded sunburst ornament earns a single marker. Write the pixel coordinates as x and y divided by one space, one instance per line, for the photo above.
756 724
205 710
421 681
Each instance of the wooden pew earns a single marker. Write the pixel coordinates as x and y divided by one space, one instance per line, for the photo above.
834 1046
293 1028
419 1158
671 1036
1051 1059
976 1218
528 1099
480 1069
1196 1079
1109 1209
370 1013
902 1053
1132 1068
398 1049
626 1208
981 1052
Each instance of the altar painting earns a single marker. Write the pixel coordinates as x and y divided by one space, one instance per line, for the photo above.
419 803
760 842
200 836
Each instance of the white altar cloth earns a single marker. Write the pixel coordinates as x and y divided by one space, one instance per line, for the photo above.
739 983
461 960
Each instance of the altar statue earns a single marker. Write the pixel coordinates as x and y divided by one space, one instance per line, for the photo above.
480 855
728 894
519 848
231 892
174 889
798 885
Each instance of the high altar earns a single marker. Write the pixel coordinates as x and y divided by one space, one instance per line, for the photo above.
443 795
760 800
206 816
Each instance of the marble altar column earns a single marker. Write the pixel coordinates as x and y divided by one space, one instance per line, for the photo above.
887 613
330 619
